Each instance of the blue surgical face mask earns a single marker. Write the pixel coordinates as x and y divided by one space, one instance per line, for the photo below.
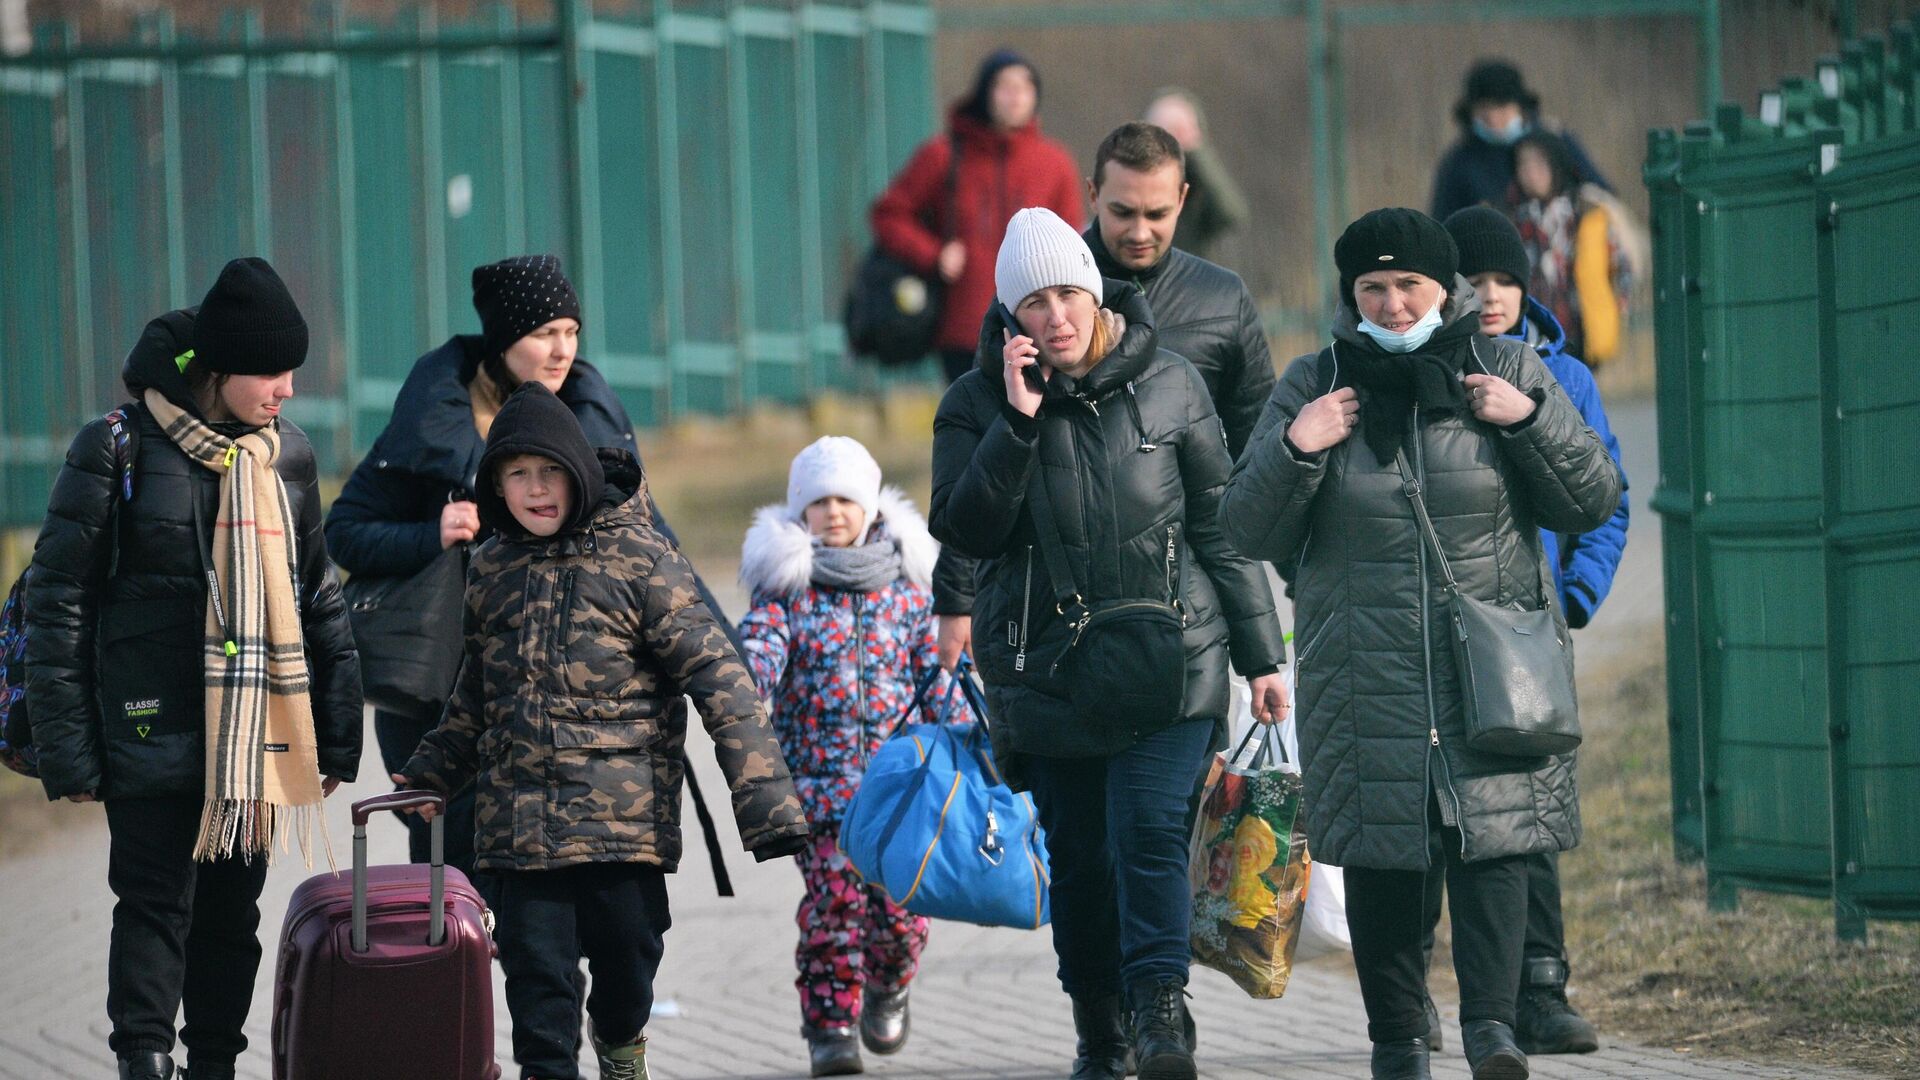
1505 136
1414 336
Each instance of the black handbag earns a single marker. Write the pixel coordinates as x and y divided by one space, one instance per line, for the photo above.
1125 666
1516 666
408 629
892 312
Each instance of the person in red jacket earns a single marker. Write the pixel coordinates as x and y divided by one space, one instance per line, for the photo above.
948 219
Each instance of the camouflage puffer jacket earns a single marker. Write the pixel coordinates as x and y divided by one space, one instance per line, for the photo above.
569 711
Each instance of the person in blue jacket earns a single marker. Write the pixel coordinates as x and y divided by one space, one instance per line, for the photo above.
1494 260
412 496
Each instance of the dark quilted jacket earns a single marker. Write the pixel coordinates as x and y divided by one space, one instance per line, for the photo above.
1379 697
115 619
1128 456
570 711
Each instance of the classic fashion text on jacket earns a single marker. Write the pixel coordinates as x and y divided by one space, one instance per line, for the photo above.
570 710
117 606
999 172
1131 459
838 667
1378 694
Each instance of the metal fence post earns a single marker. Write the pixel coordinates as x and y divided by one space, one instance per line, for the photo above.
1709 32
672 255
260 161
578 101
812 243
172 179
347 197
513 144
433 180
1318 98
79 223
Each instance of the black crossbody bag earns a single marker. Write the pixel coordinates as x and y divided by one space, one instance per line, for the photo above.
1125 665
1516 667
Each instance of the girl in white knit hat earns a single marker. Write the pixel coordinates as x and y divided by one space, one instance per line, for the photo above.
841 629
1082 465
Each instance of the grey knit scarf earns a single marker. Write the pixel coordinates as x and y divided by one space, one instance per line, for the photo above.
868 568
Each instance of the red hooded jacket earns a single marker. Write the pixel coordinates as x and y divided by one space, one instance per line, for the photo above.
1000 172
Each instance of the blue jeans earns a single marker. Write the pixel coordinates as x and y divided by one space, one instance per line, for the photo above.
1117 839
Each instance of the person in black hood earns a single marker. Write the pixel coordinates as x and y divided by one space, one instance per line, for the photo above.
584 636
118 610
1495 110
414 494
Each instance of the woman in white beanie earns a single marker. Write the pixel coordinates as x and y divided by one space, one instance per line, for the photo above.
840 632
1082 465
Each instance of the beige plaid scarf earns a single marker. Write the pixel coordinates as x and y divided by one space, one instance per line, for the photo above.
263 767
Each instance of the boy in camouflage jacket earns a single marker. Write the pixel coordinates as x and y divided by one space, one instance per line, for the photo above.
584 631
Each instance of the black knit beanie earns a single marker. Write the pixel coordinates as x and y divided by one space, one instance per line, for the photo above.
533 421
249 324
1488 242
1395 239
517 296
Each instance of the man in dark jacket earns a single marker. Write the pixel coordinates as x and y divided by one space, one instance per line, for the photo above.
1201 311
1494 111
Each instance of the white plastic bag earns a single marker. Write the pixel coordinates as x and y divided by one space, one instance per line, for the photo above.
1324 929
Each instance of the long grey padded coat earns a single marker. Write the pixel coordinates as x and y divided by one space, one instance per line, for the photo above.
1379 697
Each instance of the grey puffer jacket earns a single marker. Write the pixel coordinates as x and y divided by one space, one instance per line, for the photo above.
1378 693
1132 459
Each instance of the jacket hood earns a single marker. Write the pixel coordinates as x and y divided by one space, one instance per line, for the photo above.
153 363
1139 343
1553 338
777 556
1461 325
534 421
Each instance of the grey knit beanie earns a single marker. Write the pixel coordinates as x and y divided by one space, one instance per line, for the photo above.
1040 251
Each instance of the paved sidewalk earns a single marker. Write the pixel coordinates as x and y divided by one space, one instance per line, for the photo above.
986 1004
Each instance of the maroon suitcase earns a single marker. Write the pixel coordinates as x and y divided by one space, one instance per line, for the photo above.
388 974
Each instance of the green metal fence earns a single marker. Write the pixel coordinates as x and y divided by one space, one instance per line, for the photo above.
703 168
1789 405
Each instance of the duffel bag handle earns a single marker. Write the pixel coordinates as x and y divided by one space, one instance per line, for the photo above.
436 867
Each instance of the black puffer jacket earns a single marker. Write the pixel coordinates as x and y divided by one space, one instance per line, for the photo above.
1378 693
1201 311
118 604
1127 455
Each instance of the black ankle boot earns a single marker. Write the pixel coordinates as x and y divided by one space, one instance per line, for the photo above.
1491 1052
884 1021
1545 1023
1402 1059
146 1066
1159 1030
834 1052
1101 1053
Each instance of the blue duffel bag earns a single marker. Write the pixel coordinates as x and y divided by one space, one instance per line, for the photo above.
935 827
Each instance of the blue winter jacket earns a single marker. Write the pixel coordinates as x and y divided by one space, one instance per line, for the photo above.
1583 565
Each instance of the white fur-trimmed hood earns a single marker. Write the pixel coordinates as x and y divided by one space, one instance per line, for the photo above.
777 556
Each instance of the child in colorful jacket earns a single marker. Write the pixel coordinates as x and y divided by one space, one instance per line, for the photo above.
838 635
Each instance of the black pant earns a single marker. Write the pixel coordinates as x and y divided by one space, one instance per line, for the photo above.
184 933
1387 915
399 736
1546 932
1117 843
613 913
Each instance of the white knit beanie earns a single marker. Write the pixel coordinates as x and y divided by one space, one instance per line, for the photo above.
1042 251
833 465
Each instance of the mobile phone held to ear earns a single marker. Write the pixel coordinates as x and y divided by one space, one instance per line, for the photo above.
1032 371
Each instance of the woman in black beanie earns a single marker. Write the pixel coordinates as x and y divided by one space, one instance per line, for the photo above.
412 496
1393 793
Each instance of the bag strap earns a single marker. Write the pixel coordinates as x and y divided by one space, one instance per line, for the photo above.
721 880
1410 486
1270 744
1066 594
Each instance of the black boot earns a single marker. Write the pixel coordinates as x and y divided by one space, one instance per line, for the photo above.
1491 1052
1433 1027
834 1052
146 1066
884 1022
199 1070
1545 1023
1159 1030
1402 1059
1101 1053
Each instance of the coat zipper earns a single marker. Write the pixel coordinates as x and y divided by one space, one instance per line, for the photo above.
860 670
566 613
1018 634
1452 800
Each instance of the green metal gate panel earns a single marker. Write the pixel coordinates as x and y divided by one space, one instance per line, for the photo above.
36 396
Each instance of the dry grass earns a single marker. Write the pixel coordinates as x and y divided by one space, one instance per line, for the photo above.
1653 964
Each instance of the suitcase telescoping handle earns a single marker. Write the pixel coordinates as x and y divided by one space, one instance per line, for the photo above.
437 864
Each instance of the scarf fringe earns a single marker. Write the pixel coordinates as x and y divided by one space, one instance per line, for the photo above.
249 827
